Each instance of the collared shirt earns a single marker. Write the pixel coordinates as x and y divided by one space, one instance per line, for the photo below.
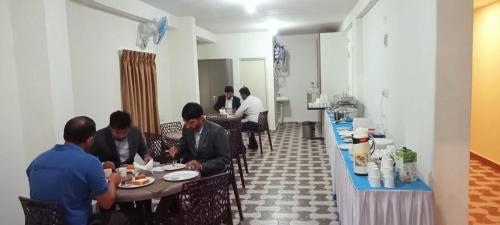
70 177
251 106
229 103
123 149
197 136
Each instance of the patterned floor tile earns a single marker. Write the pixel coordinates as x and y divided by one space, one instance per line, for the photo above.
290 185
484 194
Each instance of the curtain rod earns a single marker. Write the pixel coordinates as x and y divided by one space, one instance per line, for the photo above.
121 50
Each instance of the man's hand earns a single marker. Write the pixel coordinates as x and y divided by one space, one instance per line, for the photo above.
147 158
173 151
194 164
115 178
108 165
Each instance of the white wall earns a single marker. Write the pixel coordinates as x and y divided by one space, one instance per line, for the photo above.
183 63
244 45
302 70
11 135
95 40
334 64
427 108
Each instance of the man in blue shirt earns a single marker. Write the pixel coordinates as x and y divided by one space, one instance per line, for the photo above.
70 177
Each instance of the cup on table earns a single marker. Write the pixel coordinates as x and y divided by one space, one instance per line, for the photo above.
389 182
374 182
123 172
107 172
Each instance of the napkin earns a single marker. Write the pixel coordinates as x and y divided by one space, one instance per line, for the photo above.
148 166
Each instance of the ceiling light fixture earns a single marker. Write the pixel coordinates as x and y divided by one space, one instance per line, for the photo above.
250 7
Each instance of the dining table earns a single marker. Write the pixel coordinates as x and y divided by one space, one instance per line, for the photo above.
160 188
358 203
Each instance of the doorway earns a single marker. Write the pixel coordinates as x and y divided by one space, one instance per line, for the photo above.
484 170
214 75
253 76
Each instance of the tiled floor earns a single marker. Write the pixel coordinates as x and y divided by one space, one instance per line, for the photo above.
484 194
291 185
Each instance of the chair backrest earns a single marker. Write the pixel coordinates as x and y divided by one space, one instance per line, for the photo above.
170 127
262 121
158 147
206 201
42 213
233 131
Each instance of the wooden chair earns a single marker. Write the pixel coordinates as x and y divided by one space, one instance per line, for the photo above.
41 213
262 126
158 147
170 127
204 201
237 146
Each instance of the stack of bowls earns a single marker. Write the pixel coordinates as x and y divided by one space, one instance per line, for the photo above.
373 175
387 171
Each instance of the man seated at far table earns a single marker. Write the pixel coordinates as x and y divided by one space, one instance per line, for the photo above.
70 177
228 101
204 145
251 108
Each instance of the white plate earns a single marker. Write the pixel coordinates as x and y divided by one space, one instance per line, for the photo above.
177 166
130 186
181 175
158 169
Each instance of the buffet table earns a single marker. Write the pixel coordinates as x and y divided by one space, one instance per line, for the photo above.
359 204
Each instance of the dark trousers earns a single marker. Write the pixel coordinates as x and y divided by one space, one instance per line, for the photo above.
250 127
110 218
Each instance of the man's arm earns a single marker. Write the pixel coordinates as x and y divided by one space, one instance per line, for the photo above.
218 104
107 199
241 110
223 152
103 191
237 103
143 150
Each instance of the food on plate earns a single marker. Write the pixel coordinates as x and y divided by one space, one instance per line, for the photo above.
142 181
140 176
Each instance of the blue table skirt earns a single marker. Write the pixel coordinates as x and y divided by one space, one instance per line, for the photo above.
361 182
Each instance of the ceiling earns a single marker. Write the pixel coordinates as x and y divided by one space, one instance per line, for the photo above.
287 16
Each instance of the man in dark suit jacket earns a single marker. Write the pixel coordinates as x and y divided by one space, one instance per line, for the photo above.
228 100
204 145
118 143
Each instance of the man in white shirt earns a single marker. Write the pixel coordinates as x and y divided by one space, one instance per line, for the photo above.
251 107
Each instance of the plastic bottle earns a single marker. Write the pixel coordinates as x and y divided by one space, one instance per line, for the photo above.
312 93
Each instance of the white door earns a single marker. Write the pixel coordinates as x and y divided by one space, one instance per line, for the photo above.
253 76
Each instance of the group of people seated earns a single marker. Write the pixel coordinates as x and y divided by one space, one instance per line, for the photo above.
72 174
250 109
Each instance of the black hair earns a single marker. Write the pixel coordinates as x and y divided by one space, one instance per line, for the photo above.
245 91
228 89
192 111
120 120
79 129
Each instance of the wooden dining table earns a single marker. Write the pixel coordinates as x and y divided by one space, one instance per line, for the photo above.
158 189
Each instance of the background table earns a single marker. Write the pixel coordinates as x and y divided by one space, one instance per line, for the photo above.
360 204
160 188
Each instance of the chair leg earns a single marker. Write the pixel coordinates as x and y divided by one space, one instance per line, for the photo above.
260 143
245 162
240 169
270 143
237 196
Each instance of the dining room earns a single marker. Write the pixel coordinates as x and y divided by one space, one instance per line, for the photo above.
235 111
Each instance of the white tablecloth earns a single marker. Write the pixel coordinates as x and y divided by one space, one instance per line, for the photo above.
373 207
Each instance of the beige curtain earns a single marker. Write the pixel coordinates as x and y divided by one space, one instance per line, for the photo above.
139 92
